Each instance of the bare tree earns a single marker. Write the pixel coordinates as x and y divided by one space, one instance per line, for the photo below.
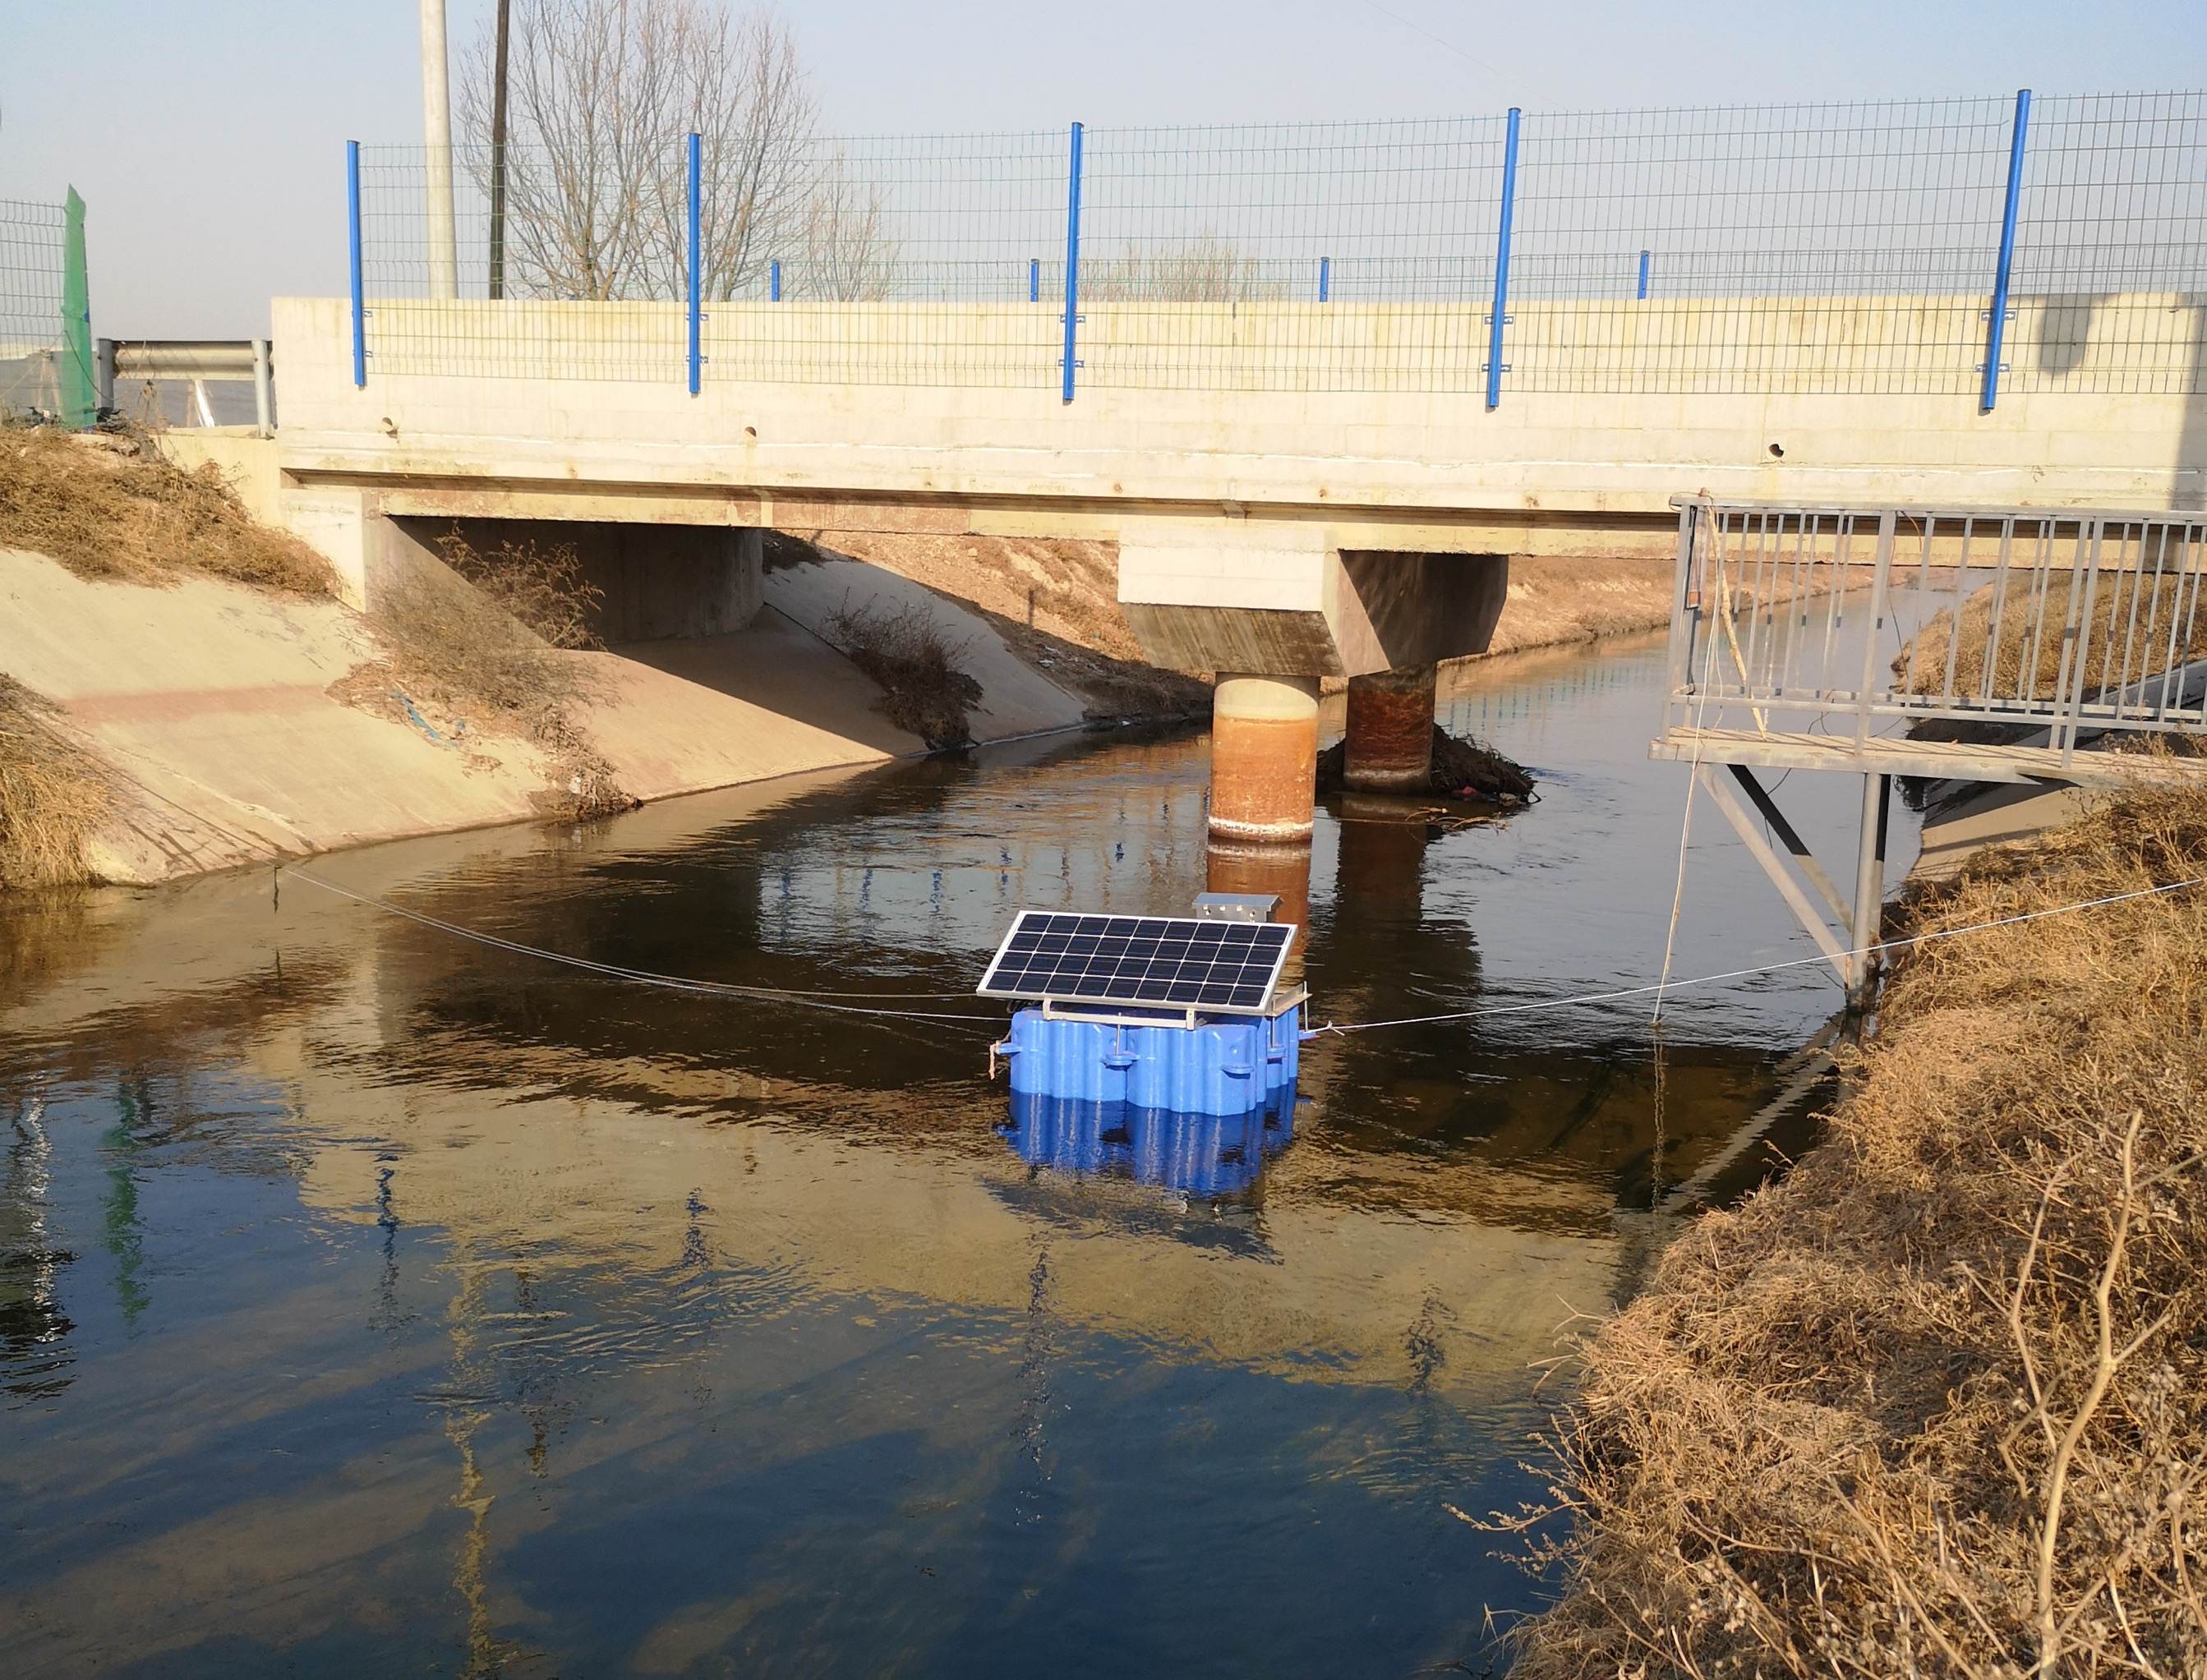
847 258
1205 270
600 95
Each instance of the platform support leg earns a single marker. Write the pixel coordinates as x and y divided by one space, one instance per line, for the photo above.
1713 783
1869 890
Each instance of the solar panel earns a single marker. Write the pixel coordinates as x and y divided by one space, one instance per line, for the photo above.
1182 962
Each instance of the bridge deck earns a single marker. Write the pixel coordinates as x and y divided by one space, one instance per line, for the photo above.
1894 754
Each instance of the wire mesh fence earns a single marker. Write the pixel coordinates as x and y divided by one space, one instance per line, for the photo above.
1837 248
31 339
2111 246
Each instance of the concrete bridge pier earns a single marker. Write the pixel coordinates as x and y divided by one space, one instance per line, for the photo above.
1264 758
1274 605
1389 744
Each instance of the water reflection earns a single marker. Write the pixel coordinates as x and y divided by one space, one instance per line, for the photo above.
1195 1155
1282 872
34 1358
370 1300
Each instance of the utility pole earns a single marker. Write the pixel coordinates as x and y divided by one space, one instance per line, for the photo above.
498 155
437 130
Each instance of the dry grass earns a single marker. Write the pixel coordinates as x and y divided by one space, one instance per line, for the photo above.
1554 602
54 794
2164 624
1936 1403
483 647
540 583
924 692
110 509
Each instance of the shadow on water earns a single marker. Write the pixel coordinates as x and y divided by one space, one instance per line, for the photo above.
371 1298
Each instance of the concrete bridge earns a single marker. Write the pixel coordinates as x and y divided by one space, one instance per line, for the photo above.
1293 494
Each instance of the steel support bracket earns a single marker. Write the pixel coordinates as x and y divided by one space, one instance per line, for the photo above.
1751 836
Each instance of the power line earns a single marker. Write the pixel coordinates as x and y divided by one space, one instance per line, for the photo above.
1495 75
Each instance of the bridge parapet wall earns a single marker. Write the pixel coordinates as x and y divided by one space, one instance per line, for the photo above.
1276 435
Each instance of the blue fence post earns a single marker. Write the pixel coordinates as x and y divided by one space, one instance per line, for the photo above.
359 302
1997 322
697 260
1072 260
1325 278
1494 322
1643 293
1034 279
773 281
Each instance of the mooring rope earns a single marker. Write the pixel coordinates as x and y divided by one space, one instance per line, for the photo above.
1621 992
645 976
822 1000
1686 816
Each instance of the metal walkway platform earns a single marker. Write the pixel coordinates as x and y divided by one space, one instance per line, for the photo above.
1810 637
1936 761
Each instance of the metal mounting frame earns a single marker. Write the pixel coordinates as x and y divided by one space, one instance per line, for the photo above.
1796 872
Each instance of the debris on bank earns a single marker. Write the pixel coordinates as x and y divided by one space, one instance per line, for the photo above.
1462 769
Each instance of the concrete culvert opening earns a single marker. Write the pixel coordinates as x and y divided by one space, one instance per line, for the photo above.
629 582
481 622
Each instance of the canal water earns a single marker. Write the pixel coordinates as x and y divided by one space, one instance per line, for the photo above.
376 1301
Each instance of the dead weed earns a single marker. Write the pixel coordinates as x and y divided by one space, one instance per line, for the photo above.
924 692
54 793
484 644
110 508
2135 635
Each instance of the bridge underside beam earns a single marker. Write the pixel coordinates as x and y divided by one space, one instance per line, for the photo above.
1287 600
406 489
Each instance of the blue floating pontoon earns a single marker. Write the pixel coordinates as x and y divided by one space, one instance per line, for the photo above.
1200 1154
1168 1014
1231 1065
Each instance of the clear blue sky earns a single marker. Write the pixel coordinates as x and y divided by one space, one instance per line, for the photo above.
206 136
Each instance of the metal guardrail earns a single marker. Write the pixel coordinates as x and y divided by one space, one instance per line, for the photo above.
194 361
1838 619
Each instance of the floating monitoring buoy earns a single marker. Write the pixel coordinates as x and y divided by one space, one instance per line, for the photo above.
1166 1045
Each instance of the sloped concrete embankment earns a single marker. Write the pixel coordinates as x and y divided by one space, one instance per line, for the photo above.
210 703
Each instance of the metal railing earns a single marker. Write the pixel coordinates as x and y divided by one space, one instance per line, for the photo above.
1964 248
1839 620
195 364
